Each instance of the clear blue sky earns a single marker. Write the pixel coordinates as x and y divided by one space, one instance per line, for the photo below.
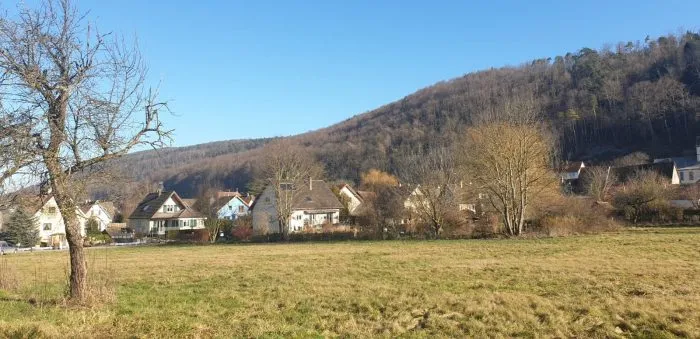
247 69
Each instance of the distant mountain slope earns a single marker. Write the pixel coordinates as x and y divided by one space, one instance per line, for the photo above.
638 96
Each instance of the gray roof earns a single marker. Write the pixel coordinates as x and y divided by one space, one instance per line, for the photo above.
148 207
686 162
318 196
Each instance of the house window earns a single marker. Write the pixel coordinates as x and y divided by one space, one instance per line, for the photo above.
52 210
682 175
286 186
267 199
230 207
241 209
47 226
691 175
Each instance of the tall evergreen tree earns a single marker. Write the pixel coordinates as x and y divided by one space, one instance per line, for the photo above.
22 229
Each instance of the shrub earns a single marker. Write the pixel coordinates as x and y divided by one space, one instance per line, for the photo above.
576 215
199 235
242 233
487 226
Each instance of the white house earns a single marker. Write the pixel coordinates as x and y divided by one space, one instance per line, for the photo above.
100 211
688 167
312 205
163 211
52 229
572 171
353 198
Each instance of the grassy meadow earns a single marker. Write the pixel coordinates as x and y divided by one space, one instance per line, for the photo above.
638 283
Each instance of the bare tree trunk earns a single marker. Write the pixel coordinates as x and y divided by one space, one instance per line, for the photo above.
78 266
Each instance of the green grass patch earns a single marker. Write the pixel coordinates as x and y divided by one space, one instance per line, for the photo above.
640 283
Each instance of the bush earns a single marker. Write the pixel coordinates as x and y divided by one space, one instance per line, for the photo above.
201 235
576 215
303 237
93 239
242 233
488 226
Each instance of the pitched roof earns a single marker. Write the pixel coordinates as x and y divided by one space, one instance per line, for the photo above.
318 196
352 191
116 230
109 207
573 167
189 202
682 162
149 206
248 200
367 194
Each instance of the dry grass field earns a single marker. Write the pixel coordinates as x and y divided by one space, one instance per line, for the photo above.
637 283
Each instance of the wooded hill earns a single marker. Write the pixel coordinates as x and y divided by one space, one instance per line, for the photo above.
634 96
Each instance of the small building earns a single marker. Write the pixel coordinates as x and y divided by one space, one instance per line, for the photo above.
688 167
49 220
232 207
571 171
353 199
100 211
164 211
312 205
120 233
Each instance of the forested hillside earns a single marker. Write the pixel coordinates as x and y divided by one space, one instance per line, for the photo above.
635 96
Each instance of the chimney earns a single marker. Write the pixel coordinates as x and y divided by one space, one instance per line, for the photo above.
160 188
697 148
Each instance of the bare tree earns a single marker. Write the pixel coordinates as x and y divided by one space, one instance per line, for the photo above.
509 163
640 193
597 181
285 168
374 178
73 98
434 172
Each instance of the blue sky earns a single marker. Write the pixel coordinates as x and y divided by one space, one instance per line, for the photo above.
242 69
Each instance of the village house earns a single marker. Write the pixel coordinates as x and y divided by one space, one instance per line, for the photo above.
101 211
164 211
688 167
572 171
313 205
352 199
49 221
232 205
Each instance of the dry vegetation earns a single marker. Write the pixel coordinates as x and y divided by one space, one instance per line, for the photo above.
634 283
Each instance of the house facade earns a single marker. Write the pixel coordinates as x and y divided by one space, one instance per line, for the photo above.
100 212
353 199
313 205
232 207
52 229
164 211
572 171
688 167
